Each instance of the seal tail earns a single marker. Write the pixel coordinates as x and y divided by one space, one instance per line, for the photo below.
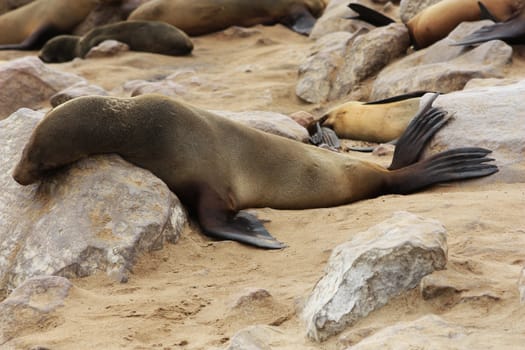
369 15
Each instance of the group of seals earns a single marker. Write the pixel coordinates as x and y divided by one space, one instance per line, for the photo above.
437 21
198 17
147 36
218 167
30 26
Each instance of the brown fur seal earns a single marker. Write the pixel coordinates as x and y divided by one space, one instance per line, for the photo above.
146 36
198 17
218 167
512 31
378 121
30 26
437 21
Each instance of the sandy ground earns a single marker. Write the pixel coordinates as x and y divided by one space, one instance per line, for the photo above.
181 296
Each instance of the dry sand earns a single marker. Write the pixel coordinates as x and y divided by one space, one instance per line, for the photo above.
181 296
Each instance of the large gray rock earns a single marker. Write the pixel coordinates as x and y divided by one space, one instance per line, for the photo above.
27 82
32 305
442 67
368 54
317 72
428 332
365 273
410 8
97 214
493 118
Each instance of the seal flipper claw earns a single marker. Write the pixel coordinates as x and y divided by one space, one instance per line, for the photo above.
369 15
243 227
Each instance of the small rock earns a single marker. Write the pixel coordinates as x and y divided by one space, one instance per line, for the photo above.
365 273
107 48
76 90
271 122
32 304
250 296
258 337
303 118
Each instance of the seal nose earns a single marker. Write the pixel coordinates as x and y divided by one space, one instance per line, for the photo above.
23 177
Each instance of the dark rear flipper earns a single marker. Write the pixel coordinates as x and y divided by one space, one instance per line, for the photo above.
324 136
485 13
369 15
452 165
301 21
402 97
427 121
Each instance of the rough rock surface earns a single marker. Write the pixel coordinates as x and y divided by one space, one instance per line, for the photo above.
319 70
32 82
31 306
493 118
271 122
442 67
521 286
258 337
96 215
410 8
417 334
77 90
376 265
369 54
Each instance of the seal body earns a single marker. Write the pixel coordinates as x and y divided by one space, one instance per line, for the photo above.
42 18
381 122
437 21
218 167
146 36
198 17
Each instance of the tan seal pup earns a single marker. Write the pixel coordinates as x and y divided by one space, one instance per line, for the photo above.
30 26
377 121
218 167
198 17
437 21
146 36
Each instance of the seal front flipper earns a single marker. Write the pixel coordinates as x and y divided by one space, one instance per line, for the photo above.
218 222
36 40
369 15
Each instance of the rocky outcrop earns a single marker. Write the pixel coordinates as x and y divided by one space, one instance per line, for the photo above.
97 214
32 82
364 273
443 68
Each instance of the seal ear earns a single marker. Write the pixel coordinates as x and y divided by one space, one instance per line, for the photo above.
369 15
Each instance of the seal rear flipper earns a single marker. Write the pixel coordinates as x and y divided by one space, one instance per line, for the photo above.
401 97
369 15
242 227
36 40
324 136
457 164
300 21
427 121
485 13
512 32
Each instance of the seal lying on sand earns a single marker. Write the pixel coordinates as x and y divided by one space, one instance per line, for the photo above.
198 17
218 167
30 26
147 36
437 21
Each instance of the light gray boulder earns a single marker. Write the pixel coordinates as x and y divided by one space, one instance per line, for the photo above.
107 48
27 82
364 273
490 117
31 305
97 214
368 55
257 337
443 68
